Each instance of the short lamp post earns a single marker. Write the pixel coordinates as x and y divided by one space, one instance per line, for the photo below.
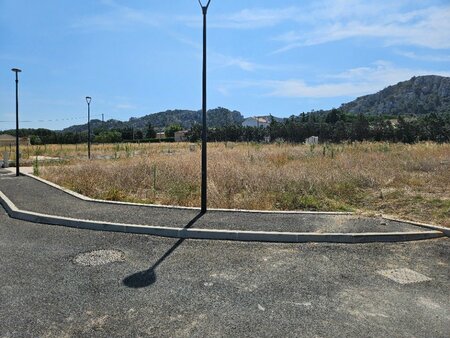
88 101
204 125
17 71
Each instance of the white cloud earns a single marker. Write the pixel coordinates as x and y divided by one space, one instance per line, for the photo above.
353 82
249 18
242 64
118 17
426 27
222 61
298 88
290 37
344 10
424 57
256 18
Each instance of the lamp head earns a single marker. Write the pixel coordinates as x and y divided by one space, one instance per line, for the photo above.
88 99
201 4
17 70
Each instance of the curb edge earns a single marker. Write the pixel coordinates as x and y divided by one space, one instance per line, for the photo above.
214 234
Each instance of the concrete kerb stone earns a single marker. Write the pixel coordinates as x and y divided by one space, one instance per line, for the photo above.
208 234
88 199
8 205
266 236
35 217
445 230
260 236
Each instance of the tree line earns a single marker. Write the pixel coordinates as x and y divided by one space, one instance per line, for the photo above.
99 135
335 126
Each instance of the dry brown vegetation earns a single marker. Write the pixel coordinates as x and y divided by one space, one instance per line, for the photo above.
409 181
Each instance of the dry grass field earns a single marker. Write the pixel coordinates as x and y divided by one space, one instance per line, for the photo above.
408 181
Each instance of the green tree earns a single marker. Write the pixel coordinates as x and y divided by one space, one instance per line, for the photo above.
151 132
195 133
108 137
139 135
170 130
360 128
406 131
340 132
34 139
333 116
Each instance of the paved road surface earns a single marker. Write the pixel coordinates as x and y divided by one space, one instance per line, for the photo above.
32 195
216 288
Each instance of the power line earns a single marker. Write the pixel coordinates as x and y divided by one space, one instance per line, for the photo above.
53 120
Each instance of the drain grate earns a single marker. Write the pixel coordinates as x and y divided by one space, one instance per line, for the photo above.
404 276
99 257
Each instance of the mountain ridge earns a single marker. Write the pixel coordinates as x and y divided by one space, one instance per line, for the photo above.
217 117
416 96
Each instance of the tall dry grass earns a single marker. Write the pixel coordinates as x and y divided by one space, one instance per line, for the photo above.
410 181
79 151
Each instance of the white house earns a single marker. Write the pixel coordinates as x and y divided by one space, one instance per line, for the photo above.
160 135
312 140
256 121
180 136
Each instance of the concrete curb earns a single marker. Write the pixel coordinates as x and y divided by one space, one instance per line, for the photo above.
236 235
445 230
88 199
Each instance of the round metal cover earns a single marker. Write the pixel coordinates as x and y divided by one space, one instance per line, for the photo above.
99 257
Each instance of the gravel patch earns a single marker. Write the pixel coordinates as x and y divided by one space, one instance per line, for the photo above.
99 257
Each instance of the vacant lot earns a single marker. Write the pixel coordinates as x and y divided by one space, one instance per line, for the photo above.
410 181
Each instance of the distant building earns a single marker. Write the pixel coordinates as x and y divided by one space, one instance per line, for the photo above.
180 136
10 141
160 135
312 140
256 121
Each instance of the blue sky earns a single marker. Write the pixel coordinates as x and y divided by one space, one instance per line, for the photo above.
138 57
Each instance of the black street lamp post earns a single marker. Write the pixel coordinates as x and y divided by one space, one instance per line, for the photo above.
204 127
88 100
17 70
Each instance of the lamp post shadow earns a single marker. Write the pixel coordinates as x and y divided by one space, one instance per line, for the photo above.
147 277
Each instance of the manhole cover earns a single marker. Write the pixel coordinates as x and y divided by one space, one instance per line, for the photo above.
404 276
99 257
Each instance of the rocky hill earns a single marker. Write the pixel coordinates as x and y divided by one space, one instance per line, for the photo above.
419 95
217 117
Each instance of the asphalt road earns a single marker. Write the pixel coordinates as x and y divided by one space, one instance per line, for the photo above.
32 195
216 288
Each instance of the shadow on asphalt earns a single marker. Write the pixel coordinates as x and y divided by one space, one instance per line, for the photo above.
147 277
